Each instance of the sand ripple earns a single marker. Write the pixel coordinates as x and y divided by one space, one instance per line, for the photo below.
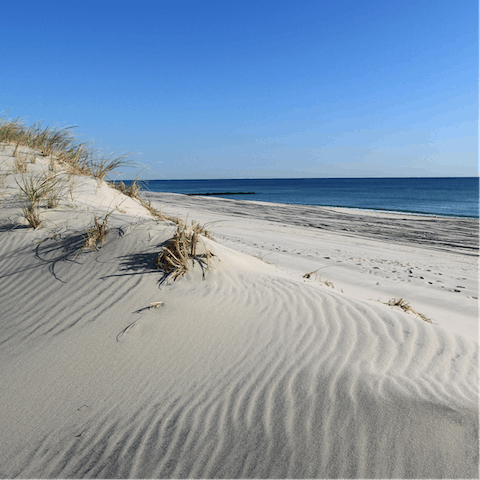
247 374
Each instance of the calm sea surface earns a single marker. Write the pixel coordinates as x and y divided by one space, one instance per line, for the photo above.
435 196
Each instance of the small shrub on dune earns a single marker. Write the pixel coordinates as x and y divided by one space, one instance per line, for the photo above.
177 255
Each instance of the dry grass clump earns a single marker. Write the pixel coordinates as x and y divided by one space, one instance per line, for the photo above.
182 247
96 234
261 257
131 191
31 214
52 200
327 283
156 213
60 144
35 190
19 165
103 165
405 306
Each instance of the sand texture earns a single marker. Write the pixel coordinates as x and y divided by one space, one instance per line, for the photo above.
248 369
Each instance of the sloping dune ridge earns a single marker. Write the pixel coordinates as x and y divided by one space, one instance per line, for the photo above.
244 370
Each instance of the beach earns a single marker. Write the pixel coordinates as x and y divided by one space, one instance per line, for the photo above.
278 358
431 261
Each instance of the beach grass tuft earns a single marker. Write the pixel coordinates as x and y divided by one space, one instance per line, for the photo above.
103 165
177 255
156 213
131 191
31 214
35 190
19 165
96 233
405 306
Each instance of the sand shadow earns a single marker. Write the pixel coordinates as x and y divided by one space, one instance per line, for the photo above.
8 227
58 252
139 263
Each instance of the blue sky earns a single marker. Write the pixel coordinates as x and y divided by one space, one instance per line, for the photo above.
219 89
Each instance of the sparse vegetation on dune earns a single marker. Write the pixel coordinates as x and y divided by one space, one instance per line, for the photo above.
181 250
62 145
67 157
97 233
35 190
20 165
131 191
405 306
64 149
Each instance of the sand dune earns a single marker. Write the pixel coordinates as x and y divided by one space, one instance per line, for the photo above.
246 370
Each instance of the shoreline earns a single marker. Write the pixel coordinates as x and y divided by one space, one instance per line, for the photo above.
452 233
363 209
457 197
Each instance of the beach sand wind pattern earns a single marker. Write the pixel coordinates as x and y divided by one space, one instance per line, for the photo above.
110 369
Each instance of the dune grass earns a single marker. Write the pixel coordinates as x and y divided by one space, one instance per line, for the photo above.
19 165
31 214
65 150
405 306
35 189
78 157
69 155
96 234
131 191
181 250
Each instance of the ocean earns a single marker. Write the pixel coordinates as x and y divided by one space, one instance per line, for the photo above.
458 196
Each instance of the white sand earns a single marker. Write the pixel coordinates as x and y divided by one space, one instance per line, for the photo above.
248 371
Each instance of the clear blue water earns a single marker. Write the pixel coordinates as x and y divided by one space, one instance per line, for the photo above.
433 196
